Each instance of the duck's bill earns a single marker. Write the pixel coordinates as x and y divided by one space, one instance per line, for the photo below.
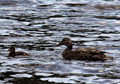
58 44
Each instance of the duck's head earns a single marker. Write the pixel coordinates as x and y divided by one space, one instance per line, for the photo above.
66 41
11 49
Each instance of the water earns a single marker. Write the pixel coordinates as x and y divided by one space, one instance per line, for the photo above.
36 26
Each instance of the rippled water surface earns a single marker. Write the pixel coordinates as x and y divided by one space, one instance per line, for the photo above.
36 26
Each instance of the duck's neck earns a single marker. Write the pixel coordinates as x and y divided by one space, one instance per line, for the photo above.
69 48
12 54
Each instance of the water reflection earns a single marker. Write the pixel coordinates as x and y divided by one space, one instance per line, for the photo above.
37 26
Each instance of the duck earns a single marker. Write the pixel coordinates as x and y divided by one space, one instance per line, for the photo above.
81 53
13 53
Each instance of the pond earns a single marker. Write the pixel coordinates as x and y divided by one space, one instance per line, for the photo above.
36 26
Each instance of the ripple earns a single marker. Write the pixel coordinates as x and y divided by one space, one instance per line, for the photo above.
21 75
111 7
58 80
43 74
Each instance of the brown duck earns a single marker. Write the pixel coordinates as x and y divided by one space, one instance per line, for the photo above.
81 53
13 53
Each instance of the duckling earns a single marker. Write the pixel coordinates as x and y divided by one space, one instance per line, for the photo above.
13 53
81 53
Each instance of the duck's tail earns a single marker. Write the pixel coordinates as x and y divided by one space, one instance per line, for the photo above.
108 57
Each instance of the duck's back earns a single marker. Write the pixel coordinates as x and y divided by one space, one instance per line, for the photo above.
20 53
86 54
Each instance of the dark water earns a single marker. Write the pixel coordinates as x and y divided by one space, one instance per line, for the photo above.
36 26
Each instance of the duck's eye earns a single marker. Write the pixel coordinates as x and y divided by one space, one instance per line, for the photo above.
64 40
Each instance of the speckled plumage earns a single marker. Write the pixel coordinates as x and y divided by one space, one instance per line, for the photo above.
13 53
81 53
